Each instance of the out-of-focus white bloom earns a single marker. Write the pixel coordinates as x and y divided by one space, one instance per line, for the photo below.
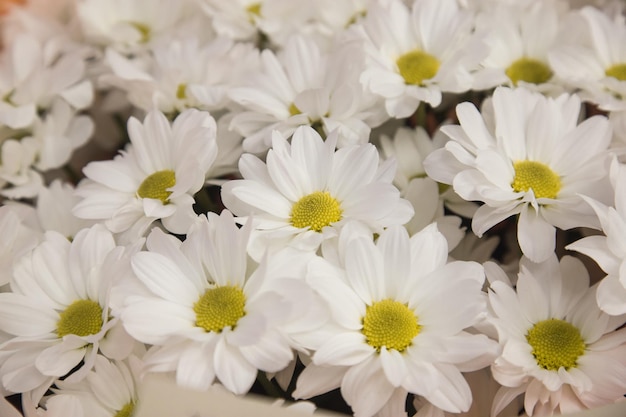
249 20
129 26
58 311
390 326
33 74
155 178
108 390
183 74
535 161
609 251
519 40
19 236
307 191
410 147
595 61
558 348
305 86
210 312
416 54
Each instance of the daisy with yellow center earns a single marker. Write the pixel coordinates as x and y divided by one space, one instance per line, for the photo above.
109 390
211 313
556 343
534 162
57 310
306 190
518 55
413 57
154 179
385 299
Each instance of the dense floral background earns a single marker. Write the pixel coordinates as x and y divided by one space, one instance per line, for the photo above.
379 207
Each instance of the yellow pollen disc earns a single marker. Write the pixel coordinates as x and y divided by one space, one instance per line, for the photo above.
220 307
390 324
544 182
181 91
126 411
617 71
156 185
82 318
316 211
254 10
143 29
294 110
417 66
528 70
556 343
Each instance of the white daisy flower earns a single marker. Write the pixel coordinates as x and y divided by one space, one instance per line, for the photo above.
305 86
155 178
419 53
33 74
129 26
307 190
109 390
58 311
182 74
19 236
534 161
390 325
609 251
519 40
209 311
595 60
558 348
277 20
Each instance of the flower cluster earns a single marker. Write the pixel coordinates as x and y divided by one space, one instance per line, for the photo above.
382 202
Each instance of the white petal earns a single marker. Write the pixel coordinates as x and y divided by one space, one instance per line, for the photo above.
365 388
232 369
195 367
344 349
536 237
164 278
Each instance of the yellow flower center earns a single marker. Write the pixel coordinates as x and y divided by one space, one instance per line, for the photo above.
82 318
617 71
294 110
316 211
390 324
417 66
528 70
556 343
143 29
254 12
156 185
126 411
220 307
544 182
181 91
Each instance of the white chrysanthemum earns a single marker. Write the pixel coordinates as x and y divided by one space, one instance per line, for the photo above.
559 349
389 324
609 251
534 161
595 61
307 190
277 20
108 390
182 74
419 53
305 86
410 147
33 73
129 26
155 178
19 236
519 40
58 311
209 311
